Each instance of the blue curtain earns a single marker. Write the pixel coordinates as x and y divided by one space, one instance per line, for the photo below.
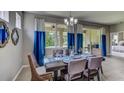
103 45
79 41
39 46
71 40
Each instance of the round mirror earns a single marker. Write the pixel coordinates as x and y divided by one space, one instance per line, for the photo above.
15 36
4 34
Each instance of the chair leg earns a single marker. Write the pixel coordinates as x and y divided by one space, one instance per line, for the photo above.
82 75
101 70
88 78
88 75
98 77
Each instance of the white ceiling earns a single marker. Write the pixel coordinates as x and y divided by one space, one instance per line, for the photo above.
102 17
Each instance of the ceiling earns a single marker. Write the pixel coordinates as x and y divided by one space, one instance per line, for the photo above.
102 17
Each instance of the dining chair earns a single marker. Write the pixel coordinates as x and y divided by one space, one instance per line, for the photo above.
80 51
38 73
75 69
67 52
94 64
98 52
57 52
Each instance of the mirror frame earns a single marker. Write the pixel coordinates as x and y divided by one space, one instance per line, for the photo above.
15 42
7 30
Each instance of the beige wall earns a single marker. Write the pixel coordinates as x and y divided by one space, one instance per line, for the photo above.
10 55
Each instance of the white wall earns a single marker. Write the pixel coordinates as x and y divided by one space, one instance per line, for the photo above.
10 55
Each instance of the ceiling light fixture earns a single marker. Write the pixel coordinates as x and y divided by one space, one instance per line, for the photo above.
70 21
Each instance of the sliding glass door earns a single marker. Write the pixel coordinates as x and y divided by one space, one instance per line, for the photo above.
91 38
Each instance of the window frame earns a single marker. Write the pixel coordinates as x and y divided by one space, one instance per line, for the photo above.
58 40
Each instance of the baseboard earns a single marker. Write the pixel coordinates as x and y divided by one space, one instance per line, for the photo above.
19 71
24 66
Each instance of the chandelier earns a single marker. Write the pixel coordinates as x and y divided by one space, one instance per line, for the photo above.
70 21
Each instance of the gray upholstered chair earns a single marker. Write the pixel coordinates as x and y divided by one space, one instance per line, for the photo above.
98 52
57 52
75 69
94 64
67 52
38 73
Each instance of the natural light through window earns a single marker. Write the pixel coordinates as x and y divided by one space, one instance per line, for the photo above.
18 21
56 35
4 15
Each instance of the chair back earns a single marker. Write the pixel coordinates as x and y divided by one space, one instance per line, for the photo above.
96 52
80 50
35 76
67 52
76 67
94 63
32 63
57 51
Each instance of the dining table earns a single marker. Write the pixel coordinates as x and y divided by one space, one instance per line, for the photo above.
59 63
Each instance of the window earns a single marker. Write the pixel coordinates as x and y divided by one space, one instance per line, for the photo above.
18 21
50 39
91 37
114 39
4 15
56 35
64 39
50 34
